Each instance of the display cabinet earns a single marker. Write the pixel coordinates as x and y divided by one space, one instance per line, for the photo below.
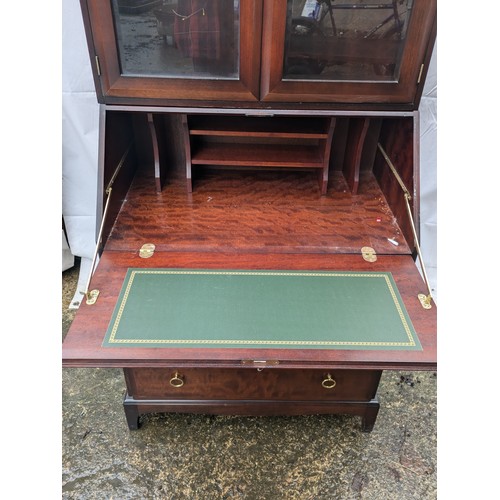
354 52
257 139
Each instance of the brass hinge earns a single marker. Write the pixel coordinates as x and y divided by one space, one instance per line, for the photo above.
369 254
97 65
147 250
92 297
425 300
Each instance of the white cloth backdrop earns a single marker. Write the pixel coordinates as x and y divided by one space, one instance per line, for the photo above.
80 126
80 139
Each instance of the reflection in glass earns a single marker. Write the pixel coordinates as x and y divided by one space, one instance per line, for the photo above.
178 38
346 40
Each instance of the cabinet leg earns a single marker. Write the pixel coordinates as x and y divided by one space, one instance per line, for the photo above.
132 416
370 416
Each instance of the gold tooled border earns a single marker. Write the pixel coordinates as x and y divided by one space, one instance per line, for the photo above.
113 340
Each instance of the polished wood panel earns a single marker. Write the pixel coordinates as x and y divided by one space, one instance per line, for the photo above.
260 85
252 220
278 217
251 392
118 162
82 346
397 138
251 384
367 410
284 127
257 212
406 89
113 87
258 155
258 142
358 128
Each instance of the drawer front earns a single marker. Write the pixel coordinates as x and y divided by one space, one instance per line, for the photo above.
252 384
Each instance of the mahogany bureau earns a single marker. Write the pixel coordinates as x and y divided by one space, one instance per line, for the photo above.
257 135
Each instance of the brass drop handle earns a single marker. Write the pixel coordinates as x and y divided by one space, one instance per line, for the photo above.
328 382
177 380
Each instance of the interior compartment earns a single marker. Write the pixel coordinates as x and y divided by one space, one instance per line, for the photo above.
270 199
258 142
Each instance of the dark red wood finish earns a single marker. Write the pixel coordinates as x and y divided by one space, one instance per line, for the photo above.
397 138
367 410
251 384
296 217
261 391
155 131
254 143
404 90
251 220
114 87
356 140
261 83
82 346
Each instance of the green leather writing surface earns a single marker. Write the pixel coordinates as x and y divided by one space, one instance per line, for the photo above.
260 309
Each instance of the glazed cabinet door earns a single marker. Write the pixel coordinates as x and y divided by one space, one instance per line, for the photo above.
346 51
174 49
260 52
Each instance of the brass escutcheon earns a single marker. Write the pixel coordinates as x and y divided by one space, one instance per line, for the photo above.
260 363
369 254
328 382
176 380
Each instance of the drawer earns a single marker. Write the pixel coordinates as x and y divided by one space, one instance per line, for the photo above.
252 384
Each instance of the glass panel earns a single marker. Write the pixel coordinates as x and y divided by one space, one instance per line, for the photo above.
178 38
345 40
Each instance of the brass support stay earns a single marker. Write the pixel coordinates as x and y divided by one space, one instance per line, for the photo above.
393 170
425 300
98 65
93 294
422 66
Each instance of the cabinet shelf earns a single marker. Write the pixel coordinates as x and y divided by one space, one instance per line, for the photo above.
258 142
281 127
262 155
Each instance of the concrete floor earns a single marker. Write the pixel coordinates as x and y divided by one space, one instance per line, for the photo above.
219 457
